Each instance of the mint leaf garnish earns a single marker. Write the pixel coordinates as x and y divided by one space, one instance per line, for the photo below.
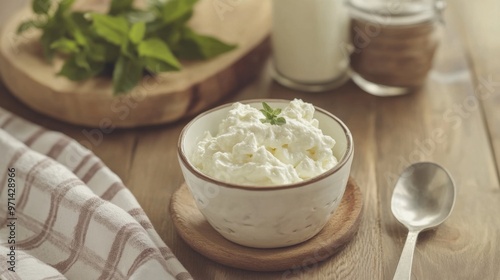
271 115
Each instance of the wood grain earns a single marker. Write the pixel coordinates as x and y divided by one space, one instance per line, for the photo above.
482 48
436 130
199 234
160 99
389 134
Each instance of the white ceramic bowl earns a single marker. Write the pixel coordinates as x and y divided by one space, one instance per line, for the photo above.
267 216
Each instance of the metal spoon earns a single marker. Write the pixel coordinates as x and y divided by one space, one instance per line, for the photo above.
422 199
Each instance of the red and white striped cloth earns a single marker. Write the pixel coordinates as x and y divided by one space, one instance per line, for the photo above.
74 217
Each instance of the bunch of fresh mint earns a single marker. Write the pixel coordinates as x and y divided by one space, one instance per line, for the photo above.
126 43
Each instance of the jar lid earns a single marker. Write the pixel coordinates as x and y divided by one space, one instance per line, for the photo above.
396 12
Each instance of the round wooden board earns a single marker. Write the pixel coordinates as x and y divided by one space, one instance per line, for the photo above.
197 232
163 99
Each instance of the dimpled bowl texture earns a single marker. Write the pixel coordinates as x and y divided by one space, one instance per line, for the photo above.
267 216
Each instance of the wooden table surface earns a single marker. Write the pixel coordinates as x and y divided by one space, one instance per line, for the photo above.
454 120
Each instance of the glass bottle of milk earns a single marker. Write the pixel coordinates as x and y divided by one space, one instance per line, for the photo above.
310 40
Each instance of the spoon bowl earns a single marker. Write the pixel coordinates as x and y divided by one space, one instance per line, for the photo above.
423 198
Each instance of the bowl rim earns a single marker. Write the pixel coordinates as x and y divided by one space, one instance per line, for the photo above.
343 161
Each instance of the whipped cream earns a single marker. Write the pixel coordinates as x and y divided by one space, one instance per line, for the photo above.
246 151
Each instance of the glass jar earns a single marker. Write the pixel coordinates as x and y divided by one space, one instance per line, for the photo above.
394 43
308 39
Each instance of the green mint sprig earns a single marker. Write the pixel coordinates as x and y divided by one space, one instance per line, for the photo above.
271 115
124 44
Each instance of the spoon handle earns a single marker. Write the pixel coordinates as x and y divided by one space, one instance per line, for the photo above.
403 271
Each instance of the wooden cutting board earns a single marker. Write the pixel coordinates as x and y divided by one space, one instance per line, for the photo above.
163 99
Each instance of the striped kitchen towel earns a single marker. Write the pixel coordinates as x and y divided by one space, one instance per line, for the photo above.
65 215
